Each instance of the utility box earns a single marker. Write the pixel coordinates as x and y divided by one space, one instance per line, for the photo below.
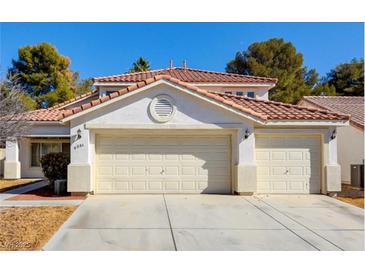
60 187
357 175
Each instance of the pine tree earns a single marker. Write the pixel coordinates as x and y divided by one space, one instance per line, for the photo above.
278 59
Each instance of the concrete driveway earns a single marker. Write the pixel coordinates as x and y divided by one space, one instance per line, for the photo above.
212 222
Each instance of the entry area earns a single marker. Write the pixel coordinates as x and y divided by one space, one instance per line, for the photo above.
288 164
162 164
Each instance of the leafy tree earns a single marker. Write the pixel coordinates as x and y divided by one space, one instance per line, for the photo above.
311 77
43 73
324 89
348 78
82 85
276 58
140 65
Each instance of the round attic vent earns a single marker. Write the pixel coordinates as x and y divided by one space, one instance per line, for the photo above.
162 108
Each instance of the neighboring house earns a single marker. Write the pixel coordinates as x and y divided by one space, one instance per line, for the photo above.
350 139
176 131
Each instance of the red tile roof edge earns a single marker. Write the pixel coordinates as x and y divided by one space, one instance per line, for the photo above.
82 96
347 116
128 73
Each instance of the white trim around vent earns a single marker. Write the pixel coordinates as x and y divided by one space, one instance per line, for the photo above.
162 108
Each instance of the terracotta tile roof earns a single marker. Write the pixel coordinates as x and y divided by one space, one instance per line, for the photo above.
40 115
266 110
77 98
187 75
350 105
280 111
49 114
262 109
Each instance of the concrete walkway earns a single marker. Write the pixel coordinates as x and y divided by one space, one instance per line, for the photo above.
23 189
32 203
212 222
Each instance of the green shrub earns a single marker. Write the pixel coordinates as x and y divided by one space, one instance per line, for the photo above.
54 166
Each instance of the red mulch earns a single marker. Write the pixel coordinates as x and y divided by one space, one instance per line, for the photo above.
44 193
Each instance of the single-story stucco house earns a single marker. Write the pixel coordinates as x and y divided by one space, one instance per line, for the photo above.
350 144
182 130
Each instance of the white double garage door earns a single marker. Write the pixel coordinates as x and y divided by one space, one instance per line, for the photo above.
201 164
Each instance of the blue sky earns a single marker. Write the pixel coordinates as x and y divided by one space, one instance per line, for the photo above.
98 49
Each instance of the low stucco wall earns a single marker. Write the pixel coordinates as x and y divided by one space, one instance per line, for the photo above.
350 150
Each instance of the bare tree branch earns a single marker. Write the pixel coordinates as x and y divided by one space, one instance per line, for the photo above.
12 122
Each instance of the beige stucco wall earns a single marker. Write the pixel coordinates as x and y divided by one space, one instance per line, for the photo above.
350 150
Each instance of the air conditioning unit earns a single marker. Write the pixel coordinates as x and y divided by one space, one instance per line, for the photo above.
357 175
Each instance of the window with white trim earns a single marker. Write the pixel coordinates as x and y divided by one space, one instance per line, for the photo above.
239 93
39 149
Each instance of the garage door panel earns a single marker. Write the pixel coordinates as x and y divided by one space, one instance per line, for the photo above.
104 171
277 171
138 171
297 186
120 185
279 186
296 171
161 164
278 156
288 165
121 171
264 186
157 186
262 155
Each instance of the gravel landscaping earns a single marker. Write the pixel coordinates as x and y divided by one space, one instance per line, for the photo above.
359 202
352 195
30 228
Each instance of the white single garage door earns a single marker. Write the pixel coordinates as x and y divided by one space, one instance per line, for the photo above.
163 164
288 165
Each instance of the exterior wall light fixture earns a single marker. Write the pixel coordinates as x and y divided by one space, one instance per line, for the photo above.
334 134
247 133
